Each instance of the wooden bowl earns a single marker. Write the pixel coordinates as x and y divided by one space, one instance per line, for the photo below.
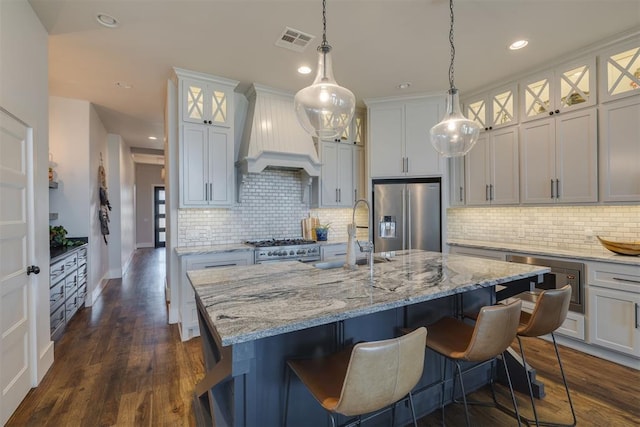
632 248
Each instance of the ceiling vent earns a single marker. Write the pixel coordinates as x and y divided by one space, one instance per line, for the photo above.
294 39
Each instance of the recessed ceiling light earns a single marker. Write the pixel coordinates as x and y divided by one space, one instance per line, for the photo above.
153 138
107 20
304 70
404 85
123 85
518 44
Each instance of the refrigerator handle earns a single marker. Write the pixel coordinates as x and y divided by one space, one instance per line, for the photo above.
409 225
404 216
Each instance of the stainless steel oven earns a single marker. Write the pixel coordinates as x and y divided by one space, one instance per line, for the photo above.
562 273
270 251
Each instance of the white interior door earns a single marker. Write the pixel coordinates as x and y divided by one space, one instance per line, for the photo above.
15 324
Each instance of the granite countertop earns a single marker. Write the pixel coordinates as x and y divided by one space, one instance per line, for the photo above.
59 252
602 254
264 300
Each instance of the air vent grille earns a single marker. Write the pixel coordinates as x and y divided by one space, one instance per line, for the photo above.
294 39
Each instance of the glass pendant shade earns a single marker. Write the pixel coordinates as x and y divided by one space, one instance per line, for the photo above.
455 135
325 108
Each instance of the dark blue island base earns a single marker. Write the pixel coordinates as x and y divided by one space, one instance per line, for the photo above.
244 382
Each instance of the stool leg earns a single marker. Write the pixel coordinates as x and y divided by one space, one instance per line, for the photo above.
413 411
286 393
513 396
524 362
564 379
464 395
444 372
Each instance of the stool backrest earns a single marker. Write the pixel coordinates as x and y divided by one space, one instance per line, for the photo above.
494 331
549 312
382 372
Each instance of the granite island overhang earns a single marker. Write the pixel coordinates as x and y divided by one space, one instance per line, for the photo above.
254 317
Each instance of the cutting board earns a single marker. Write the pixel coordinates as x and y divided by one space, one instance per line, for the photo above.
309 228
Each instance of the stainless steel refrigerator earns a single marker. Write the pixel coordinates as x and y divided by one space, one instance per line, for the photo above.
406 214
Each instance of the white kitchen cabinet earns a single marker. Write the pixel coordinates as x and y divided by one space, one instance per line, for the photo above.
568 87
620 71
188 312
456 181
491 168
359 175
398 139
207 102
614 304
494 109
619 150
207 171
559 159
336 186
206 139
354 133
573 325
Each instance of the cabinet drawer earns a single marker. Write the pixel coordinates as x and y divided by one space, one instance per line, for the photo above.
57 271
82 274
71 262
615 276
71 306
56 296
82 256
82 294
57 321
71 283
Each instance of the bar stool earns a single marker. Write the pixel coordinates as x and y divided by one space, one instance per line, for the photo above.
363 378
492 334
548 315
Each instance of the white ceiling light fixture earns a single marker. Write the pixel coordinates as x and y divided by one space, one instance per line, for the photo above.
123 85
153 138
304 69
518 44
325 108
107 20
404 85
455 135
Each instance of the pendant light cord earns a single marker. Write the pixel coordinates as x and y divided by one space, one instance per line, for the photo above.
324 46
453 49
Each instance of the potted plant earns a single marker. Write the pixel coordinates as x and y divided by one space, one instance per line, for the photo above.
58 237
321 232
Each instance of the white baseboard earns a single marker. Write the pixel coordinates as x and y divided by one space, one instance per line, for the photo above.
114 273
45 361
127 263
145 245
98 290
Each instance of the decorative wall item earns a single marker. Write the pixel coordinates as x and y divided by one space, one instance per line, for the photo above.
105 206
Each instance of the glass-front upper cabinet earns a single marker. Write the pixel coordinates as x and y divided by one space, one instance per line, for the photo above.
494 109
620 71
206 103
568 87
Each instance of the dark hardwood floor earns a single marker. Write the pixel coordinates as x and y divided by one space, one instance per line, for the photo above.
120 363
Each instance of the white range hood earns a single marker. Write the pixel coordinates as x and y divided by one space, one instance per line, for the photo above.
272 135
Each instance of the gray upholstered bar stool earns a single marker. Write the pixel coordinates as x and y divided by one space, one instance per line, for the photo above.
364 378
492 334
548 315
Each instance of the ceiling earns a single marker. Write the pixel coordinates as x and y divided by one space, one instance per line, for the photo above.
377 44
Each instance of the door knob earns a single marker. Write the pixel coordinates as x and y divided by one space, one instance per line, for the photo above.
33 269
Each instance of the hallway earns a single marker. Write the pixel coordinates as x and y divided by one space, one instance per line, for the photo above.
120 363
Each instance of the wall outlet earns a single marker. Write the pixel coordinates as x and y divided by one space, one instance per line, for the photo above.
589 235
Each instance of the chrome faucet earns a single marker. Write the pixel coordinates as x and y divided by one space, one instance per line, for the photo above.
368 246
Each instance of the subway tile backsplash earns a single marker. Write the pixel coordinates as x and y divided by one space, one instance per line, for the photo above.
271 207
571 227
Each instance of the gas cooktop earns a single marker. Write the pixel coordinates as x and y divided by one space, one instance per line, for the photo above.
279 242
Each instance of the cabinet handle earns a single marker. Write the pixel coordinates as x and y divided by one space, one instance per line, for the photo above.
206 193
220 265
355 195
551 113
461 193
490 191
557 111
626 280
636 306
339 194
336 195
486 192
407 159
552 188
557 188
210 191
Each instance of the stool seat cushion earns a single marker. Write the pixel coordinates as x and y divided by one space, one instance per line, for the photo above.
450 337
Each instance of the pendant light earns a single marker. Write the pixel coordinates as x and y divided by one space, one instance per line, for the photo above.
455 135
325 108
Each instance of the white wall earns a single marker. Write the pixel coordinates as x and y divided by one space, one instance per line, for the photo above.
127 207
68 144
24 93
147 176
98 253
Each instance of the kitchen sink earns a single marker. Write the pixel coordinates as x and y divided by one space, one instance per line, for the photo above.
327 265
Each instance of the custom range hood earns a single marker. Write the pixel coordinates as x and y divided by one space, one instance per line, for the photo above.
272 135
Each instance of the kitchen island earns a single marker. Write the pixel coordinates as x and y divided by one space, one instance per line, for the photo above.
253 318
